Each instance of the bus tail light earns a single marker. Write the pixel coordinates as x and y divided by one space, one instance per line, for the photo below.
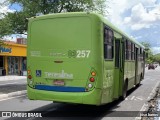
90 85
29 77
93 73
29 71
92 79
29 74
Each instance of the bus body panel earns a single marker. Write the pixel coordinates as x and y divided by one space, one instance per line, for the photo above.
64 50
92 98
130 73
107 89
66 58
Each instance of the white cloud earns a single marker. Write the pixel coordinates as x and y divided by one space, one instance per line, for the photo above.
138 37
14 37
155 32
10 38
127 19
2 1
156 10
133 16
119 6
140 18
4 8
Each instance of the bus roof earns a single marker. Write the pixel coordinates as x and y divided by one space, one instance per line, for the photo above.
70 14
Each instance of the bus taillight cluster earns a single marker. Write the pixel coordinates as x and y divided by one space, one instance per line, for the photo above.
29 76
91 80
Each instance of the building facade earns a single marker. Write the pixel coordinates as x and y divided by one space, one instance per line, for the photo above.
13 59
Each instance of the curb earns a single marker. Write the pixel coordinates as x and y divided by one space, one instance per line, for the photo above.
13 79
13 94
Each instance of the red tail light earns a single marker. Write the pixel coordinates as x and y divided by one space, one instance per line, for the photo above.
29 77
92 79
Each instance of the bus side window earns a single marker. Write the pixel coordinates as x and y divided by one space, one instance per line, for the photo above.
133 51
142 52
108 43
139 54
128 50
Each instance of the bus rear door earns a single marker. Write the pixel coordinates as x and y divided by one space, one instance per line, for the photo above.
119 67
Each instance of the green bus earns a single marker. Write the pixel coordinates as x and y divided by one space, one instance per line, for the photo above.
81 58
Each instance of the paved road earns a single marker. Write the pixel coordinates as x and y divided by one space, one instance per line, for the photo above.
8 86
134 102
9 82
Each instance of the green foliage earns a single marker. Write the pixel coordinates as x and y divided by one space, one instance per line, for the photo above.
146 45
157 58
148 50
1 42
16 23
5 27
151 58
100 7
53 6
13 23
157 55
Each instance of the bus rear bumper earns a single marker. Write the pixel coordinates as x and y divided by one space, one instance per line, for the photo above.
93 97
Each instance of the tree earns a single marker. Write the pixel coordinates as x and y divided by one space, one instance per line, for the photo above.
101 7
146 45
1 42
157 58
16 23
150 57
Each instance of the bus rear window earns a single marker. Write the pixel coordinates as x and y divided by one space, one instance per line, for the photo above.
61 33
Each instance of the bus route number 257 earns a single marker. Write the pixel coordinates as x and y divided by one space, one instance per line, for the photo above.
83 53
79 53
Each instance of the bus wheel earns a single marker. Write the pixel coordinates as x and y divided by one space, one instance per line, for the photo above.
125 87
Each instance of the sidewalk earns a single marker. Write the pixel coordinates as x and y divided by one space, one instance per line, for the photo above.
12 77
12 89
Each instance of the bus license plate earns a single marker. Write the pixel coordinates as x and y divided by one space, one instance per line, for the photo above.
58 82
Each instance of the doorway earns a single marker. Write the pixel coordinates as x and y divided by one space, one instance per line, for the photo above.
13 65
1 64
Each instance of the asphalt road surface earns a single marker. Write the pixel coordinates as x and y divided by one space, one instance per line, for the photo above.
9 86
135 101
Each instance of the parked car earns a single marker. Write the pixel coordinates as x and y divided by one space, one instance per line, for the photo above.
151 66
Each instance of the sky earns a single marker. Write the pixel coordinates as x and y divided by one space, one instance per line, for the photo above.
140 19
